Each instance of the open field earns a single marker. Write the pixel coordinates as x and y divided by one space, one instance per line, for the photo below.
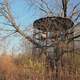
23 67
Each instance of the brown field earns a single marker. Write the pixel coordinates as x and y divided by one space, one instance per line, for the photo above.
24 67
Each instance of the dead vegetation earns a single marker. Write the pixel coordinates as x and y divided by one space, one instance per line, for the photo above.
23 67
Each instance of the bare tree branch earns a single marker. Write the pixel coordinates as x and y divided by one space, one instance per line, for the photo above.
64 3
74 13
1 29
76 35
8 35
71 39
44 2
77 17
9 16
74 8
43 6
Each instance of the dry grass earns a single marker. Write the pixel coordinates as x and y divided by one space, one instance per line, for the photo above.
24 67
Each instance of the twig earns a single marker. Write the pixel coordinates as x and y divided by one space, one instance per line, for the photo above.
74 9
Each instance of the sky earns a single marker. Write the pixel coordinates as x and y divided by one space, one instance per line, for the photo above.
25 14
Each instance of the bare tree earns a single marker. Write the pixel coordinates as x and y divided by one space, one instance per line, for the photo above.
64 5
6 12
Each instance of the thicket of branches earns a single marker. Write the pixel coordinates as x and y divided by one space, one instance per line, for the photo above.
6 12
